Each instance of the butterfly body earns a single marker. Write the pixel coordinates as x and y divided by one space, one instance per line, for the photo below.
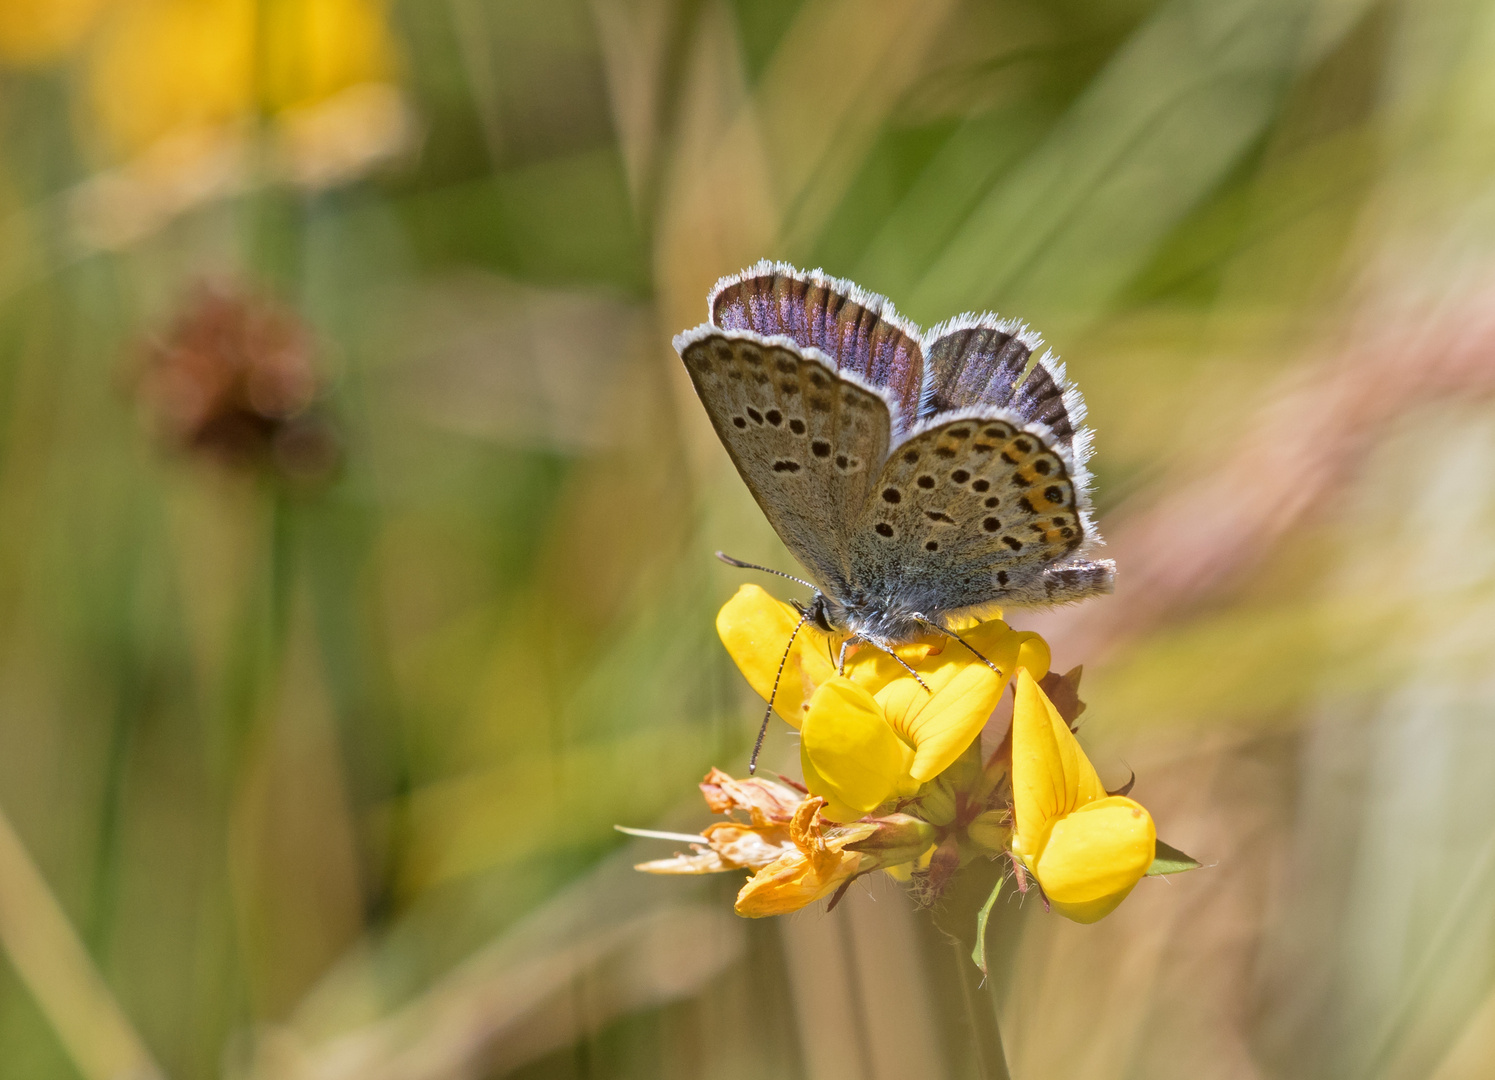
918 477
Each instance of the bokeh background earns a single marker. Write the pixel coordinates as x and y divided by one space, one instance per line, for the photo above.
322 689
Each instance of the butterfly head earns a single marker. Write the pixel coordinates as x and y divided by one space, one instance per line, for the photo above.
823 613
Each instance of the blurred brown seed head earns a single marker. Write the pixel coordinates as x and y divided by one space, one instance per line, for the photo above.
233 379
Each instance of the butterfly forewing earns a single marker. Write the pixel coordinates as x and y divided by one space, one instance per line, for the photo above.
807 442
967 508
859 332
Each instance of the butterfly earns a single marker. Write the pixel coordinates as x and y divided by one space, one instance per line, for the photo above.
918 477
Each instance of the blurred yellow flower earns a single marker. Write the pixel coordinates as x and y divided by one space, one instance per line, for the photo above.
34 32
1086 848
166 65
199 100
874 733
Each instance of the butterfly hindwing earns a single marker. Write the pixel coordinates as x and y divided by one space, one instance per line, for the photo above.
968 509
807 441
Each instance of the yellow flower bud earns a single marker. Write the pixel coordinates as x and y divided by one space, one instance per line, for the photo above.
991 830
1086 848
895 839
937 801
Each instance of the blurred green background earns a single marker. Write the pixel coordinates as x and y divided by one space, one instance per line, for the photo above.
313 776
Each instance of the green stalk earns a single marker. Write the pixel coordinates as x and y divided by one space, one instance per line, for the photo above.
981 1010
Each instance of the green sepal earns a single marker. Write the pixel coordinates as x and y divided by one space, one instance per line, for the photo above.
978 954
1169 860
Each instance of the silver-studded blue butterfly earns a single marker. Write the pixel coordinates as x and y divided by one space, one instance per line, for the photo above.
918 477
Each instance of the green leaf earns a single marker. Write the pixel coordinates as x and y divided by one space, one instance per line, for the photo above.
1169 860
978 954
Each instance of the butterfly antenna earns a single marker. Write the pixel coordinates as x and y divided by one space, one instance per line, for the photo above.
937 628
724 557
768 713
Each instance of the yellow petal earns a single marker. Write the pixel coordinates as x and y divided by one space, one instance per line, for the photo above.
941 722
872 668
1033 654
1095 856
755 628
834 809
851 755
1051 776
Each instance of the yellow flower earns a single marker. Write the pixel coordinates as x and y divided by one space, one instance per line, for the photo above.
873 733
199 100
166 65
755 628
1086 848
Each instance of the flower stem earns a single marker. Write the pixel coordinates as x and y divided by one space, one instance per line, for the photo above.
981 1009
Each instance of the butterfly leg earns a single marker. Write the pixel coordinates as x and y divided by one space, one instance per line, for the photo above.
952 634
895 656
841 659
